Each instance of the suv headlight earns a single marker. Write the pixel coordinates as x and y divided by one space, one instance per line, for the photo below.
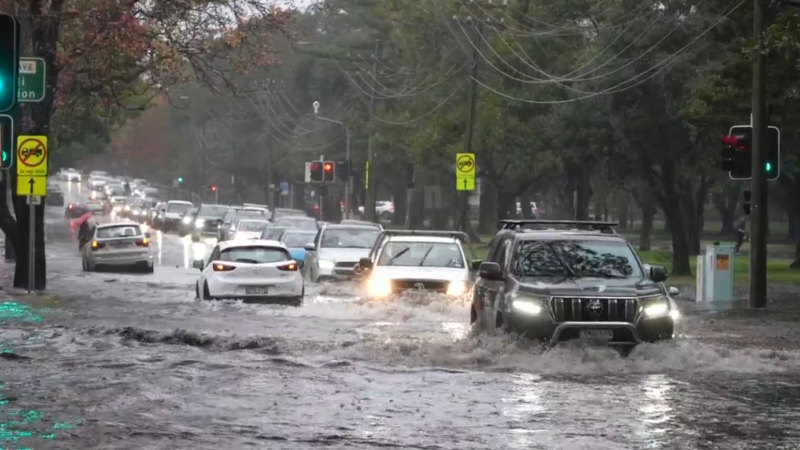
199 223
456 288
327 265
379 287
527 304
659 307
185 220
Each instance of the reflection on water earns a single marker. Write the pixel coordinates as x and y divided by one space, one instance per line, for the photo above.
19 426
18 311
525 407
655 411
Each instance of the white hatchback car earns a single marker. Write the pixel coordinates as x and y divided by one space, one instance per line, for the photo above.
116 245
252 270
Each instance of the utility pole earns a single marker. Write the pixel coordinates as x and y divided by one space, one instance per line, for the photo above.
270 193
758 183
369 208
473 100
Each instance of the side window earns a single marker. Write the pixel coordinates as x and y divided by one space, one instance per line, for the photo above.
213 256
498 254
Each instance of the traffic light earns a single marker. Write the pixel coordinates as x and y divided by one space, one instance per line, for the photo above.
737 153
343 170
315 167
213 188
9 61
6 142
329 172
180 180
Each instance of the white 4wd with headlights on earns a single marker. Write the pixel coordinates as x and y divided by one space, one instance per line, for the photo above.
402 260
251 270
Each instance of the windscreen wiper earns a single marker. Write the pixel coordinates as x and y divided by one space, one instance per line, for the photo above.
563 263
427 252
399 254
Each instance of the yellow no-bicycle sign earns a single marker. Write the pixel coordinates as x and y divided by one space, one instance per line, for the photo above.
32 156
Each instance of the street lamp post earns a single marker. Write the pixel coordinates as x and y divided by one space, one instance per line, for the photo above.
348 187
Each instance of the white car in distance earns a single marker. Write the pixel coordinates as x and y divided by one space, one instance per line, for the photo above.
250 270
249 229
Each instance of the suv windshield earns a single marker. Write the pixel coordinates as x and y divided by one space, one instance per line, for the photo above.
583 259
179 207
305 223
349 238
422 254
298 239
216 211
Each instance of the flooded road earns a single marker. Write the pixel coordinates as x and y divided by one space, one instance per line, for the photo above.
134 361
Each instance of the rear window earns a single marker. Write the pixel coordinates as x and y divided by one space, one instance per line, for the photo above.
179 207
298 240
118 231
254 255
216 211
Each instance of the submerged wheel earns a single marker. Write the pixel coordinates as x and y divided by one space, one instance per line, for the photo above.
206 293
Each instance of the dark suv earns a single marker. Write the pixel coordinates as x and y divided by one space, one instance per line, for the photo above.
559 280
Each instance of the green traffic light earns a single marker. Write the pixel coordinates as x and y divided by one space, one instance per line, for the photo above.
180 179
768 166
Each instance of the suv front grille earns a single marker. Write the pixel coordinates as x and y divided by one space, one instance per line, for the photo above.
594 309
428 285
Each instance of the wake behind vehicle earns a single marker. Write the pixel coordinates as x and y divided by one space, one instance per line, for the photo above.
559 280
116 245
250 270
337 250
418 260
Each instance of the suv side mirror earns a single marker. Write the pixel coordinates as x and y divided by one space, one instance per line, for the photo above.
310 247
198 264
490 271
365 263
658 273
475 265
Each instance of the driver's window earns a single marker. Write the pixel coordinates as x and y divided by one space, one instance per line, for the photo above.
499 253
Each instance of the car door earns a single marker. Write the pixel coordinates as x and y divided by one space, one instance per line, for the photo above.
207 269
495 288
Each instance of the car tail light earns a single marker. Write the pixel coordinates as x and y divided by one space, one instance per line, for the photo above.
291 267
97 245
143 242
218 267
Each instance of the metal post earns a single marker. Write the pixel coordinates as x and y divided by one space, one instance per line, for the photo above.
473 99
216 196
32 245
758 244
369 208
348 187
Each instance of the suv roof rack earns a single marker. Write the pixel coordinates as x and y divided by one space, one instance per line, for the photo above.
603 227
460 235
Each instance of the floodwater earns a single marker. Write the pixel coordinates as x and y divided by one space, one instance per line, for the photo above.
106 360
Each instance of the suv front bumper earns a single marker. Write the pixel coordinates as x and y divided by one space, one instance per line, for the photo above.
624 333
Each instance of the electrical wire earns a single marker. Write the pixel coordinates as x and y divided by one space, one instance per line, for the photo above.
425 115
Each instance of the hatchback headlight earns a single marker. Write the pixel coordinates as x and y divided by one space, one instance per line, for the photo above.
185 220
456 288
527 304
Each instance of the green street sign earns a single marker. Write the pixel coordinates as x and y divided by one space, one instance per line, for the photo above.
31 81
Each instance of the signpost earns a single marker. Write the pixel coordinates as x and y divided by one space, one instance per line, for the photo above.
32 182
31 81
465 171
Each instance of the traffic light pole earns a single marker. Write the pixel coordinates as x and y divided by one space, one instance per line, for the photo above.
758 244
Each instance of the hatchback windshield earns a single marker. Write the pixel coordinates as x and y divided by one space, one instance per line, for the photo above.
179 207
254 255
252 225
599 259
349 238
422 254
118 231
298 239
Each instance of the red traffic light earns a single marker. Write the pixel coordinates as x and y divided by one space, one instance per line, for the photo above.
328 167
214 187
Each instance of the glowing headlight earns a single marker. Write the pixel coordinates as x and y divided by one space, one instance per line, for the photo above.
657 309
327 265
127 208
199 223
674 314
379 287
185 220
526 304
456 288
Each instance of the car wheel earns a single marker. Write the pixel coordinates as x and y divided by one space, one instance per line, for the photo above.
149 268
206 293
84 265
197 291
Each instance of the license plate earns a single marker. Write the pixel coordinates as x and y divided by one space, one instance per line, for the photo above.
120 245
600 335
256 290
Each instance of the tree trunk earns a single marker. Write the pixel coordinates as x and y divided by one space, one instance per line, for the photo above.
583 196
671 205
488 209
648 212
792 233
505 204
